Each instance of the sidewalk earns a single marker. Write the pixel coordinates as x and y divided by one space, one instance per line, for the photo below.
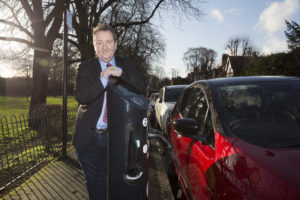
63 179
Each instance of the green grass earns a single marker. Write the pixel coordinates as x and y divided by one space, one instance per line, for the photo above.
59 100
18 105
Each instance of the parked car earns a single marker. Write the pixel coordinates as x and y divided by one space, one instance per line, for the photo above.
168 95
151 109
149 93
238 138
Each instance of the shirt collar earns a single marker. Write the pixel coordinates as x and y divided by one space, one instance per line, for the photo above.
103 64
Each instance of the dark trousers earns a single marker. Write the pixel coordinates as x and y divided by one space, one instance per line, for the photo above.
94 165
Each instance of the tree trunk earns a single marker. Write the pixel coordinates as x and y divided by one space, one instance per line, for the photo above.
40 79
87 52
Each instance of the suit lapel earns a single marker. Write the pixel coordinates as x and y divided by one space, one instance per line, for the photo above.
119 62
97 66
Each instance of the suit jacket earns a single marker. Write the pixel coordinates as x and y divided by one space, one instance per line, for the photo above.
89 92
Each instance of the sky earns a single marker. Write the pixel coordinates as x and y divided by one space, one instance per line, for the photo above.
262 21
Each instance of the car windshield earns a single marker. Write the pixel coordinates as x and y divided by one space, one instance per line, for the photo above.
153 96
173 94
266 114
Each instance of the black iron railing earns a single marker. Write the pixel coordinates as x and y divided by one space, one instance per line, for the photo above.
26 141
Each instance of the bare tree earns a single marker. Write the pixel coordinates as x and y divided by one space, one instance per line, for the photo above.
56 69
35 24
174 72
200 58
16 60
159 72
232 46
239 46
39 22
131 20
143 44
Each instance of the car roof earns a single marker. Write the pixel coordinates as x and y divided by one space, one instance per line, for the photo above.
246 79
175 86
154 93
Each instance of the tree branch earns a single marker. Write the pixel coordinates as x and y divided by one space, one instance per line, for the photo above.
58 6
75 44
127 24
103 8
13 12
13 39
21 28
27 9
57 22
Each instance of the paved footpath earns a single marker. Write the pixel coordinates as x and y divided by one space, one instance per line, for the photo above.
63 179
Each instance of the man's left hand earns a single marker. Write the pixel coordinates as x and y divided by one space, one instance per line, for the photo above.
111 71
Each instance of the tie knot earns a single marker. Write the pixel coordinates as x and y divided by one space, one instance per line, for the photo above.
108 65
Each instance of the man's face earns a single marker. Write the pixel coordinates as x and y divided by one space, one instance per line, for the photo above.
105 45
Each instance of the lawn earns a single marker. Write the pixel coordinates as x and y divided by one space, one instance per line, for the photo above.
18 105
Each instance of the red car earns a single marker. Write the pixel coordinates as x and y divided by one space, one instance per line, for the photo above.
238 138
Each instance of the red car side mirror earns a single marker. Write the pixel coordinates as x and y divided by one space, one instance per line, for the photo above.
188 127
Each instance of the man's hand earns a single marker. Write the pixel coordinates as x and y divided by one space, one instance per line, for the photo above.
111 71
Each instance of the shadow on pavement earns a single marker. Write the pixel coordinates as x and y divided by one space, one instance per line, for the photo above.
63 179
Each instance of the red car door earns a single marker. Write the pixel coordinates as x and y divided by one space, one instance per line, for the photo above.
209 162
195 156
201 157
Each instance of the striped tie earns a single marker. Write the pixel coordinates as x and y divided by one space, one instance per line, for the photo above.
105 111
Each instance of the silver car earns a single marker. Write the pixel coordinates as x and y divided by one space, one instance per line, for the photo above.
168 96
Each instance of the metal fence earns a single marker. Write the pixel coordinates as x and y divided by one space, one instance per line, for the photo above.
28 140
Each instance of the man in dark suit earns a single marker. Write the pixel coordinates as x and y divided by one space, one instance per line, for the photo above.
93 76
